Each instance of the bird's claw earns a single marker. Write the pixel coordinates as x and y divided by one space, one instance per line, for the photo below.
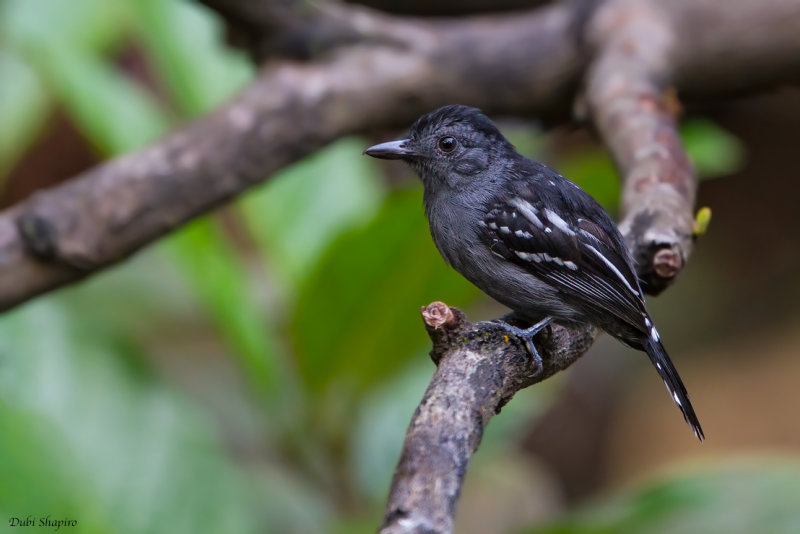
527 334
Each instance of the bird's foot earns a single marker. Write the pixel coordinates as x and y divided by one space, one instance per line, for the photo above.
526 334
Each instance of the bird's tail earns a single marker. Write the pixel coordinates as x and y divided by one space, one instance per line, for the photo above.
658 355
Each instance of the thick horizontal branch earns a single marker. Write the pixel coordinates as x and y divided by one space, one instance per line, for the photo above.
301 30
449 8
102 216
527 63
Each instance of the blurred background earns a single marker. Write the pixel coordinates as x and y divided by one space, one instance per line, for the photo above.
256 370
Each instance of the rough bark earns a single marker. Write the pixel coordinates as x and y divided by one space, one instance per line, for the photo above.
332 70
634 110
528 63
478 370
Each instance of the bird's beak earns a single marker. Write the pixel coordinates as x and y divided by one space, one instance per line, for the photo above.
391 150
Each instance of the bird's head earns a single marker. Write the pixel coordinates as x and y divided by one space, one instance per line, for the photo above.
454 147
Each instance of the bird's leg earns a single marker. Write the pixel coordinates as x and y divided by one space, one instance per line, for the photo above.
526 334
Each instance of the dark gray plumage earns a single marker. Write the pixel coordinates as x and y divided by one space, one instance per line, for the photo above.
527 236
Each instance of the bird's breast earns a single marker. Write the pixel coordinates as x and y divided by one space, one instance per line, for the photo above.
457 235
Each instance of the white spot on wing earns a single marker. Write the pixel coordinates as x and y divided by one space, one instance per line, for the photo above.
539 257
523 233
654 333
612 267
527 210
529 256
505 229
590 235
558 222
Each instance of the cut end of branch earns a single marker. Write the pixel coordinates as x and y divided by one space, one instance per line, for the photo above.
442 323
667 263
439 315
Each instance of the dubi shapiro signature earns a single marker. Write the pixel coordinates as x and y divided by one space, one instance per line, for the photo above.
42 521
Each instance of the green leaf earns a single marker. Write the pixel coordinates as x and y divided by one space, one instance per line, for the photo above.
86 439
713 151
297 215
528 140
34 476
384 414
593 170
727 499
219 278
23 107
190 57
357 319
380 428
38 26
288 505
65 43
113 112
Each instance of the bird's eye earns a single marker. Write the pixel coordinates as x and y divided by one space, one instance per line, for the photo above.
447 144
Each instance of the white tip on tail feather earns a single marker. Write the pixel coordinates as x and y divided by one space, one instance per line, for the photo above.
654 334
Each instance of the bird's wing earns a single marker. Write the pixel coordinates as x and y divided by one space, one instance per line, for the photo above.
568 247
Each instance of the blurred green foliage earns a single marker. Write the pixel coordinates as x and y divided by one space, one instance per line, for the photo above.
740 497
254 371
713 152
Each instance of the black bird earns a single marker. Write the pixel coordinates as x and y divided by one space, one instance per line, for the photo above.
527 236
